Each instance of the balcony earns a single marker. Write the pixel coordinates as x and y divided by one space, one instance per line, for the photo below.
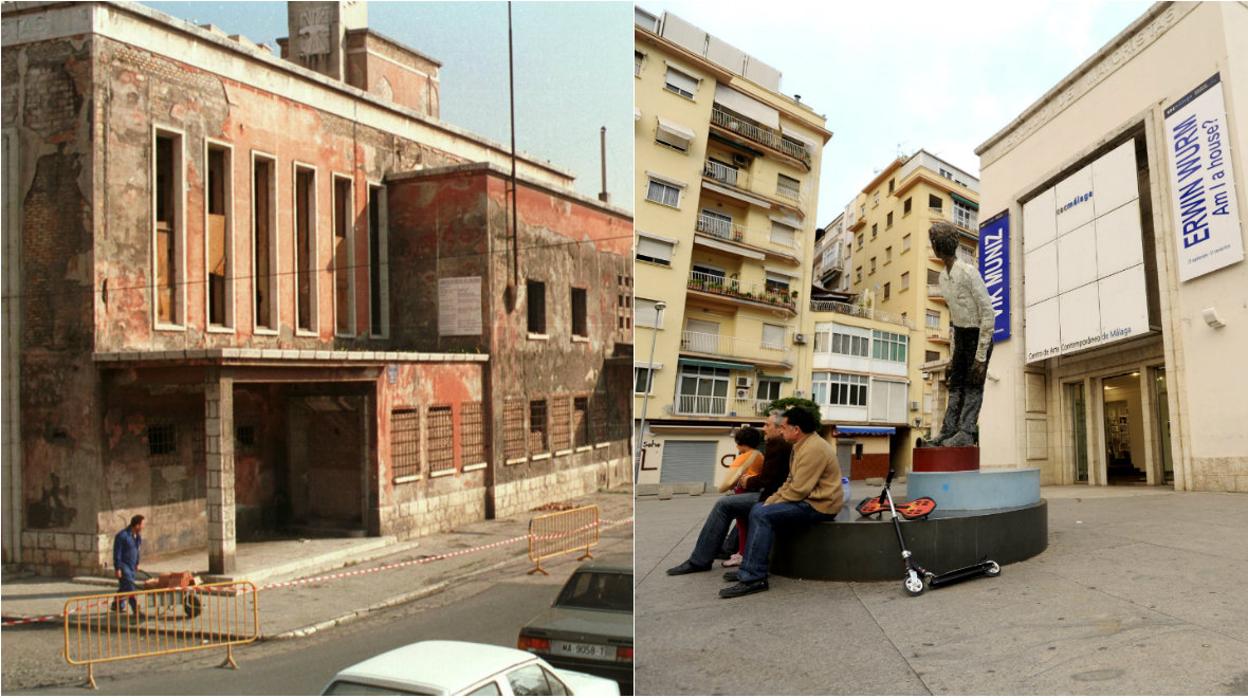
732 176
715 285
758 133
702 405
857 311
735 348
761 241
933 292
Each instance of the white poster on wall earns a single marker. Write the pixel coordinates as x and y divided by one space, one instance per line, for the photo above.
459 306
1202 183
1083 259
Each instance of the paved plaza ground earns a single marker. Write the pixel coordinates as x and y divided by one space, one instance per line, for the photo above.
1141 591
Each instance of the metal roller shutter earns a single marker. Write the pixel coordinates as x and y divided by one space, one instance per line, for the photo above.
689 461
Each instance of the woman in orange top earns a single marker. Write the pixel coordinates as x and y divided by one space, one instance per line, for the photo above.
748 463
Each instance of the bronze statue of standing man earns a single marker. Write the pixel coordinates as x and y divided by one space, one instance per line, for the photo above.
971 318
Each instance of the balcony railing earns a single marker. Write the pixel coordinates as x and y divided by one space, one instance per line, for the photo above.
758 133
730 288
707 405
933 291
857 311
788 191
732 176
727 230
733 347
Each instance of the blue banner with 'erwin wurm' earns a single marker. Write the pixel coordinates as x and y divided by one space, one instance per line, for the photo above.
994 267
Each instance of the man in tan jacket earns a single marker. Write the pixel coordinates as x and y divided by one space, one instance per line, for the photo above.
812 493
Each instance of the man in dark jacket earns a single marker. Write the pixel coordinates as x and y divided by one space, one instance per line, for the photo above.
732 507
126 546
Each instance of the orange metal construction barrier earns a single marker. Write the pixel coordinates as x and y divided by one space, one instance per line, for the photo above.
108 628
563 532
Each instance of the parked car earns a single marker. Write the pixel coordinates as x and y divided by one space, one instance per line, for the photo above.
443 668
589 628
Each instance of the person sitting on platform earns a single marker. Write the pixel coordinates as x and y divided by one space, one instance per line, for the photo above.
748 464
971 319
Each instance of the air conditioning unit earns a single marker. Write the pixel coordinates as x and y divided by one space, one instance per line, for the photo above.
799 393
744 382
914 405
740 160
743 393
799 338
762 405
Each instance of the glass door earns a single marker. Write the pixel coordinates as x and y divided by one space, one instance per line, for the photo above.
1077 409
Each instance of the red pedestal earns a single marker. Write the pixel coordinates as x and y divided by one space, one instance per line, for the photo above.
941 459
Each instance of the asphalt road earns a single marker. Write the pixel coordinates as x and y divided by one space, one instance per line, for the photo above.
489 609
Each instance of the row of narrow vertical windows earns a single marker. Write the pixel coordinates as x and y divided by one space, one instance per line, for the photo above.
219 264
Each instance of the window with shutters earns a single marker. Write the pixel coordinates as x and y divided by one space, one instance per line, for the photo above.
773 336
783 235
647 314
654 250
405 443
681 83
472 431
560 423
905 280
220 263
514 439
440 424
539 427
788 187
663 193
168 228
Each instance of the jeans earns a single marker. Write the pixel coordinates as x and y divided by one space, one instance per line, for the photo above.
764 519
126 583
716 527
965 396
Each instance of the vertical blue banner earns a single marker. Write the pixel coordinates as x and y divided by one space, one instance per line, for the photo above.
994 267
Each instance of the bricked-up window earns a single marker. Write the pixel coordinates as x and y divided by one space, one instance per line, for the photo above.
535 298
441 427
162 443
378 270
305 248
471 433
220 261
344 258
264 242
405 442
167 192
580 321
560 423
513 429
580 421
598 417
539 429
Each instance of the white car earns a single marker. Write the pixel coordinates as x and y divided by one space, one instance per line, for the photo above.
442 668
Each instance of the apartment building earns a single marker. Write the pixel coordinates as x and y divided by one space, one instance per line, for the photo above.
250 295
895 271
834 254
727 171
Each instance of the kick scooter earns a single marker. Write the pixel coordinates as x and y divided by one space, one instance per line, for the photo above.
917 578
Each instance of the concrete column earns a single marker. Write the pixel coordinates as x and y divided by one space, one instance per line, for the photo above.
219 451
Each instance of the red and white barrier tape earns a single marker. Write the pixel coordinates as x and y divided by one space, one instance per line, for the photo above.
602 524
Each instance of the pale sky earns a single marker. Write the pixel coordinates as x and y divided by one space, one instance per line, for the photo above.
573 71
898 76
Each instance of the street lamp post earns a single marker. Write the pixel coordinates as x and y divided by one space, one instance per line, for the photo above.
659 307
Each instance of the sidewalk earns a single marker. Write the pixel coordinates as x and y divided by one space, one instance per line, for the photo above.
304 608
1138 593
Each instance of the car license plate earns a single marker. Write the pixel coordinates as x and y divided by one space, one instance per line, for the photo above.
579 649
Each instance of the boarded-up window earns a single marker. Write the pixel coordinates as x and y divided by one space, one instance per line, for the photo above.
513 429
218 241
305 250
441 428
580 421
263 186
471 433
598 417
560 423
405 442
344 258
168 204
539 429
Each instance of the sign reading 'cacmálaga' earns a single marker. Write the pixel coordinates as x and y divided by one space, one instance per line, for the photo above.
1202 185
994 267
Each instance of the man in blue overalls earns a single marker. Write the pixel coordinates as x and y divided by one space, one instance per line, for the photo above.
126 559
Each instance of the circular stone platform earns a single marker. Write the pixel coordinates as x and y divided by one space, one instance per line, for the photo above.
852 549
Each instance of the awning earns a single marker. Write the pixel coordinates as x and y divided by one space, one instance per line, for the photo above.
676 131
965 201
852 430
782 379
716 364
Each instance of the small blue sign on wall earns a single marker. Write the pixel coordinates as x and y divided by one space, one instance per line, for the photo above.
994 267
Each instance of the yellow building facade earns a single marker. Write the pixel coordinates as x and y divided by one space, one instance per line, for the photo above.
727 172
